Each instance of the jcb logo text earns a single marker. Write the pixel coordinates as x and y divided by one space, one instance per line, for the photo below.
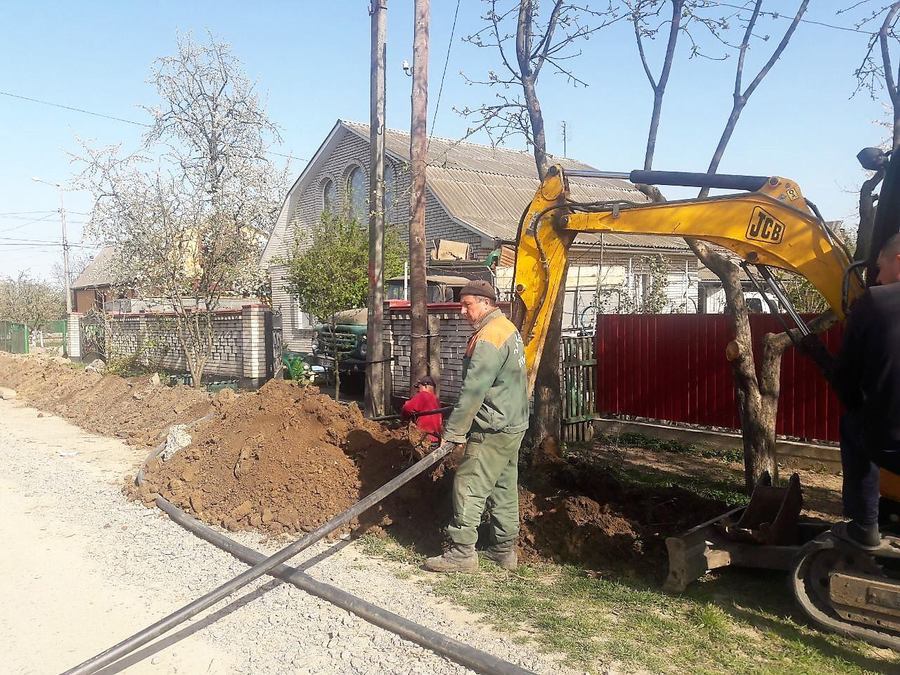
764 227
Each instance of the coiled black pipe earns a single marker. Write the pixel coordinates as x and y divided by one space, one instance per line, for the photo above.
193 608
454 650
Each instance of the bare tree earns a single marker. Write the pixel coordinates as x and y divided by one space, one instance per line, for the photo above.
757 389
31 301
537 41
875 73
78 262
188 214
645 16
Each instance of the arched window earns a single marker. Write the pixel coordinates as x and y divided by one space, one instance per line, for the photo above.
329 196
390 195
356 199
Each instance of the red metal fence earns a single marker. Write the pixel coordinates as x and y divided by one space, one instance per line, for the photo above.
672 367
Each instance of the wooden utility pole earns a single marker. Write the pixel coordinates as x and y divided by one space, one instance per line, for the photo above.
375 368
417 149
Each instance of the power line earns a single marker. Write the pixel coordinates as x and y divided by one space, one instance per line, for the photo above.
779 15
30 222
133 122
69 107
437 105
23 213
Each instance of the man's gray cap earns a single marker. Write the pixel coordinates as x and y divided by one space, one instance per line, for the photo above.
480 288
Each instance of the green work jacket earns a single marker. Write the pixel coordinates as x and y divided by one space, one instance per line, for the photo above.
494 394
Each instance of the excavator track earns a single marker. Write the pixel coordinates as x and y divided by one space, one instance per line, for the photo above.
847 591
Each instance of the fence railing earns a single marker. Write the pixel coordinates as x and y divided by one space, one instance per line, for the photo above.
672 367
13 337
579 396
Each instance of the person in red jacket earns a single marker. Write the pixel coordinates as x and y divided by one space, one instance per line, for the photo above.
425 400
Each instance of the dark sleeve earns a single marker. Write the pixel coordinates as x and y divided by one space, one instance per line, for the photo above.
849 367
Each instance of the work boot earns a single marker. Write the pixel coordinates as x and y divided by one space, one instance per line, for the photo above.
504 555
457 558
865 537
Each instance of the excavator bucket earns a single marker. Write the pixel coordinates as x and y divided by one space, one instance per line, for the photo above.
765 534
771 517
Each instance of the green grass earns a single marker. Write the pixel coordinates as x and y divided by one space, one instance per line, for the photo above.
638 440
737 622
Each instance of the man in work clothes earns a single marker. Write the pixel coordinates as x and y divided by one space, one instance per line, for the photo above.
490 418
867 378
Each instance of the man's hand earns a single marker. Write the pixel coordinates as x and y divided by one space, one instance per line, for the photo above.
449 446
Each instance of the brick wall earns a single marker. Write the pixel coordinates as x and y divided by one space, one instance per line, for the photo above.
454 332
239 343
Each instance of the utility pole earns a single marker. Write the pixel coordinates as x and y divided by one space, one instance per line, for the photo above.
565 151
65 242
375 368
417 149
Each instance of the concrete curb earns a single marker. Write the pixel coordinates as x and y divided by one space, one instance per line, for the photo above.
791 453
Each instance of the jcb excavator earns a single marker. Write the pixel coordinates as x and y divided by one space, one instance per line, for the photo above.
770 224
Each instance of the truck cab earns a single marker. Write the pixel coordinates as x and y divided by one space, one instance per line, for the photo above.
349 337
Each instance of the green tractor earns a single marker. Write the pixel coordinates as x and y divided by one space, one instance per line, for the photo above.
348 341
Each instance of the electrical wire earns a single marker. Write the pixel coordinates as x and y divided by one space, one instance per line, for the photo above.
780 15
117 119
437 104
73 108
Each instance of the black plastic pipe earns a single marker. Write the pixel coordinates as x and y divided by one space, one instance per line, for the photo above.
193 608
457 651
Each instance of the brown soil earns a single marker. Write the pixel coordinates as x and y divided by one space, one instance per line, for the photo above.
132 409
286 459
575 511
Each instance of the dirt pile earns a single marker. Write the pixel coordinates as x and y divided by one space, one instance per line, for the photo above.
575 510
133 409
286 458
283 459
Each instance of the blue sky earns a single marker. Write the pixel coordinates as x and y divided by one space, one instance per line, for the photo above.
311 60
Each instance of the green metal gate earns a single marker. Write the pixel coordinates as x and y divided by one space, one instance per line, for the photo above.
579 394
13 337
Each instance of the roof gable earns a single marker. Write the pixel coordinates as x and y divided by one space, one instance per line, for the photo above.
483 188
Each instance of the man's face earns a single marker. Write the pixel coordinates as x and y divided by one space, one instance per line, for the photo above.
888 269
474 307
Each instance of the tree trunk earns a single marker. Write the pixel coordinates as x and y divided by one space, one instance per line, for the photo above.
536 120
418 146
546 423
374 388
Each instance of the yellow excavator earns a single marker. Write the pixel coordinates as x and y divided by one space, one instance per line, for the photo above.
767 223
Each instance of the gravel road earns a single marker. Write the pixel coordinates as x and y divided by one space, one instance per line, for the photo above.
83 568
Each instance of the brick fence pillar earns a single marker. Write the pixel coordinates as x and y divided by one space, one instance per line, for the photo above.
253 345
73 336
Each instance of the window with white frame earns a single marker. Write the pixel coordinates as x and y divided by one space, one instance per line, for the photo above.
390 195
329 196
301 320
356 199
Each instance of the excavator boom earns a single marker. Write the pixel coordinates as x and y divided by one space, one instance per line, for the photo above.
772 226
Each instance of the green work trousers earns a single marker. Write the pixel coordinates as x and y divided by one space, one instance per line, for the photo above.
489 471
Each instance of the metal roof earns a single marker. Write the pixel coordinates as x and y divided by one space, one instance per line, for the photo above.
486 188
98 272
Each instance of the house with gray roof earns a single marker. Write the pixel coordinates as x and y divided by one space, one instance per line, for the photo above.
94 285
475 197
